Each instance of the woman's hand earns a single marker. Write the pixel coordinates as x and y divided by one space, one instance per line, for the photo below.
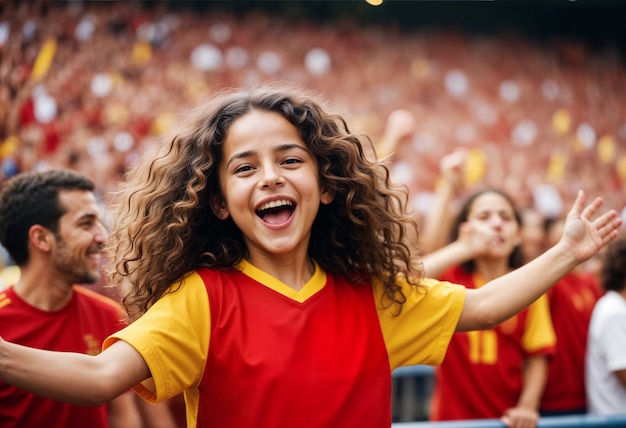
520 417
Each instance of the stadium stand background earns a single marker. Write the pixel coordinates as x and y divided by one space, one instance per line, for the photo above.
398 55
535 89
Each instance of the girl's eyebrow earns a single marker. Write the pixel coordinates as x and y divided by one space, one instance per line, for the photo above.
239 155
289 146
280 148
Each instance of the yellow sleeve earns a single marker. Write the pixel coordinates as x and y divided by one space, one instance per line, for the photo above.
539 333
420 334
173 338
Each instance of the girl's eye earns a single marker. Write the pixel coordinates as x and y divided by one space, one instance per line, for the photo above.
291 161
243 168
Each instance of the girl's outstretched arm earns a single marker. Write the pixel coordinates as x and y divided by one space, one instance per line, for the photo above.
505 296
72 377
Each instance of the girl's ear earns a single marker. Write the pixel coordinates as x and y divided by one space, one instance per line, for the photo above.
326 197
218 206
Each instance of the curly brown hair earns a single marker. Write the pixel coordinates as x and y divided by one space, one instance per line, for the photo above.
164 227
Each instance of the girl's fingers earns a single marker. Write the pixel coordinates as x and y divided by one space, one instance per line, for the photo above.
592 208
609 231
607 221
579 203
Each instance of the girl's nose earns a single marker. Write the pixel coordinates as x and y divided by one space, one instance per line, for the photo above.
271 178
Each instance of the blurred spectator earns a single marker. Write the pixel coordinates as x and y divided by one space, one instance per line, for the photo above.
50 226
606 353
501 372
534 234
572 300
89 86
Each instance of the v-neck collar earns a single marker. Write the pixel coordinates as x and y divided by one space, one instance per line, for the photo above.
313 285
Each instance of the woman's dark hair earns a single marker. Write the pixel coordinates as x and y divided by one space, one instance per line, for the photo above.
613 272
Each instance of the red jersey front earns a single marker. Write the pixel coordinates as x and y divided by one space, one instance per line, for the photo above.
249 351
81 326
260 340
571 303
481 375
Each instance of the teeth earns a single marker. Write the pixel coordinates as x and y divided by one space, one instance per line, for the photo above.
275 204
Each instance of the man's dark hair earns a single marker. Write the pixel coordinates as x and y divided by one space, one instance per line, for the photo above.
33 198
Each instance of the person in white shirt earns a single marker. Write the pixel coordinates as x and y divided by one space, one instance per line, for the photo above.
605 372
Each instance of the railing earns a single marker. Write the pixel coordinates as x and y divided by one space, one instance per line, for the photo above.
577 421
418 370
405 407
413 387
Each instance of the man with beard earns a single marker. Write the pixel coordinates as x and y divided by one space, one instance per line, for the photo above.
51 227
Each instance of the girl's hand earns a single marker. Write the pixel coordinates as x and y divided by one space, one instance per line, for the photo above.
584 236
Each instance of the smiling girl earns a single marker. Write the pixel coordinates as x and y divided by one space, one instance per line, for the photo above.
267 269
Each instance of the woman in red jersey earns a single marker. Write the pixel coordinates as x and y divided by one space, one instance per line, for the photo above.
501 371
266 266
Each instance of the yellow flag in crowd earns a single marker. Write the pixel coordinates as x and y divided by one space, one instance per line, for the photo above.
142 53
475 166
561 121
606 149
44 59
556 168
9 146
162 123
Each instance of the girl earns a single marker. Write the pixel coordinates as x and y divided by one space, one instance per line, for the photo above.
267 271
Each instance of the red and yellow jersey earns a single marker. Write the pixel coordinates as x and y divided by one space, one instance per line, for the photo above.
572 300
248 350
81 326
481 375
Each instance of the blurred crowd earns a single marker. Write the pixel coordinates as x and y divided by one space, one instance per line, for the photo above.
90 85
